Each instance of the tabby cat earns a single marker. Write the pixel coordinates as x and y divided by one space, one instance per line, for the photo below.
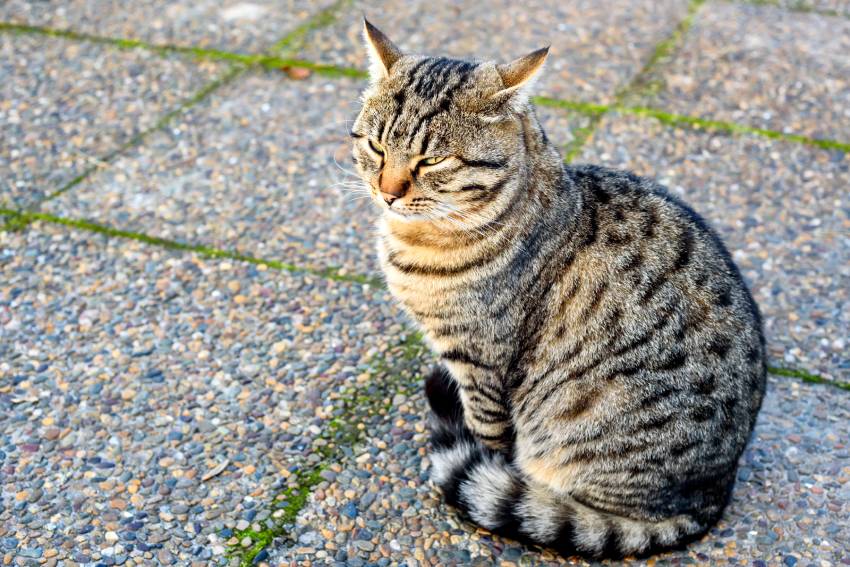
602 360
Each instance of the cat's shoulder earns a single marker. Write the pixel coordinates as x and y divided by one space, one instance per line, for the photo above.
608 187
605 183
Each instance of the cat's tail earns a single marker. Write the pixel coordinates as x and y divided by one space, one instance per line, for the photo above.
486 487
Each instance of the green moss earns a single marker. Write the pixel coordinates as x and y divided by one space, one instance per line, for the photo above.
587 108
294 498
130 44
333 71
14 223
642 81
806 377
691 122
26 217
358 405
680 121
294 40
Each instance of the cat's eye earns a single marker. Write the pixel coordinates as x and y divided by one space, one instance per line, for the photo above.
376 147
431 161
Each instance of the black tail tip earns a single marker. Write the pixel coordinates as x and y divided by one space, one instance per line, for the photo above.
441 390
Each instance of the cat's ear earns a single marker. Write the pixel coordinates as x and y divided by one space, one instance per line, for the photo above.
518 76
383 53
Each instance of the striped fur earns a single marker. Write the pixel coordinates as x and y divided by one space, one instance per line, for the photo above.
602 360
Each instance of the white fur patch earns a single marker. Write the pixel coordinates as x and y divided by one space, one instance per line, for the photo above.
591 529
541 515
489 484
447 461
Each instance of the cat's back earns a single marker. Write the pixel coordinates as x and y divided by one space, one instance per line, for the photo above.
656 244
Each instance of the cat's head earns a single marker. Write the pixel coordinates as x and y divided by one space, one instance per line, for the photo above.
440 139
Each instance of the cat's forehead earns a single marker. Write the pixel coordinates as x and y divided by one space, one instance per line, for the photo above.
430 77
440 80
427 100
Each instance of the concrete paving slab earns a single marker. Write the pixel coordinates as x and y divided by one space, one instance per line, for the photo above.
765 67
64 105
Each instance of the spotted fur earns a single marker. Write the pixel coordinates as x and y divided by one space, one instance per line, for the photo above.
602 360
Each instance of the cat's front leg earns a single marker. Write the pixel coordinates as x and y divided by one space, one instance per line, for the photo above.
485 410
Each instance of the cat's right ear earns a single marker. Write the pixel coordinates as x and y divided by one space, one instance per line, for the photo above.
383 53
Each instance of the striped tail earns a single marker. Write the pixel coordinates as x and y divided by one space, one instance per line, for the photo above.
488 489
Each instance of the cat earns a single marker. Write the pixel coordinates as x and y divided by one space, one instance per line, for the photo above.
602 360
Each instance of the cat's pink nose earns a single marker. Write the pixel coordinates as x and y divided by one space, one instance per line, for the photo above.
394 186
394 190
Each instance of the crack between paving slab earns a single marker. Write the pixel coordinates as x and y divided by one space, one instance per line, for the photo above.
691 122
342 431
294 40
24 218
806 377
798 6
267 61
662 50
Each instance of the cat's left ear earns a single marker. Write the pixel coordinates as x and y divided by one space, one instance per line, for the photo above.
518 76
383 53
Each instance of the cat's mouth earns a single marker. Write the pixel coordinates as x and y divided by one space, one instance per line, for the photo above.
407 216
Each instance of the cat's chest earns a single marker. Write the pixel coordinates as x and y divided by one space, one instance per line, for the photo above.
451 304
452 317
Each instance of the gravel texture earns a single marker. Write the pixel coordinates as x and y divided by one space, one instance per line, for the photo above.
789 506
597 46
128 373
64 105
263 167
765 67
235 25
783 210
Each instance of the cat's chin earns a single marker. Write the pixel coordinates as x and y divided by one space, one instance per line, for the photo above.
405 217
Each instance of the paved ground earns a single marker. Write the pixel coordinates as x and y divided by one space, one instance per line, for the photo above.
198 363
